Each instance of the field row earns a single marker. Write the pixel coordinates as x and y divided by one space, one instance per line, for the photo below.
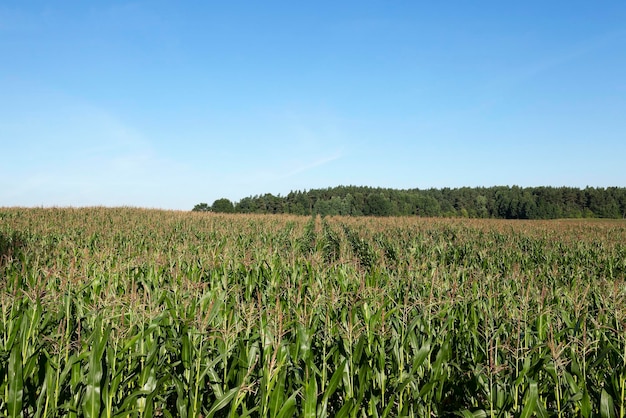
129 312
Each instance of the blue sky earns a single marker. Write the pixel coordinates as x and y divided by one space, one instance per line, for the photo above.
168 104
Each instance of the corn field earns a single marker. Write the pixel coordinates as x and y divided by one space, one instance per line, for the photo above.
140 313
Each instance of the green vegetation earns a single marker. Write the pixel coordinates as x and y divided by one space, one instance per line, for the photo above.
223 206
202 207
493 202
132 313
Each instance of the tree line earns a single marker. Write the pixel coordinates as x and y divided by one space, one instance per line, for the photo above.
503 202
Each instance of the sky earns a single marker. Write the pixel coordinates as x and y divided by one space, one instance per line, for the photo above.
165 104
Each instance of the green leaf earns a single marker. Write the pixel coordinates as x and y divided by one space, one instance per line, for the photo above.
542 326
289 406
335 380
421 355
476 414
223 401
607 409
16 381
573 386
585 404
181 397
389 407
93 399
310 399
346 408
47 389
530 401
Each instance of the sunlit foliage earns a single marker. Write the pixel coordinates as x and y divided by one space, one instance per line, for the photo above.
130 312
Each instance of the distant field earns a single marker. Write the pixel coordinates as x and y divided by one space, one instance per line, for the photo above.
131 312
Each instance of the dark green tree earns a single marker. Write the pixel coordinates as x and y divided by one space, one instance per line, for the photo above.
223 205
246 205
201 207
511 202
378 205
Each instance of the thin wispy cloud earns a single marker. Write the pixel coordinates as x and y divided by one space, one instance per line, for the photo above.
507 87
89 155
314 164
499 86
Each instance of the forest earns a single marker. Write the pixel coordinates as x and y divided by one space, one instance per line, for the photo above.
500 202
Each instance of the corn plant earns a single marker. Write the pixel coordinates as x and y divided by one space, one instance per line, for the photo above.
109 312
